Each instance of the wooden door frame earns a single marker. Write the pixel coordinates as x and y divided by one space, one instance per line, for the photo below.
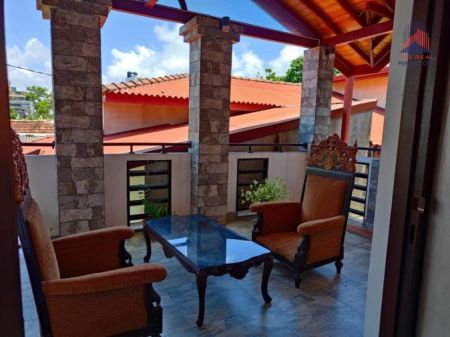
422 110
11 321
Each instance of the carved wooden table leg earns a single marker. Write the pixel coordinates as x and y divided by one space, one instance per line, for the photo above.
201 288
268 264
148 242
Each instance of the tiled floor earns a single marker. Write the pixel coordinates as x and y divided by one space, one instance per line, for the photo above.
325 304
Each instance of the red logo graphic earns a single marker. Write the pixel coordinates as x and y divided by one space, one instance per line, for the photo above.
416 45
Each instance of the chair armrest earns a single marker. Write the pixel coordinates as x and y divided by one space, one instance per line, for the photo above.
93 237
313 227
105 281
277 216
91 252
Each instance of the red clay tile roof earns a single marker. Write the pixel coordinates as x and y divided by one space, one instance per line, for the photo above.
179 133
32 126
243 90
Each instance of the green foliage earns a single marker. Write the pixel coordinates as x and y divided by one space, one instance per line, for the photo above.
42 102
272 76
13 113
274 189
294 74
155 210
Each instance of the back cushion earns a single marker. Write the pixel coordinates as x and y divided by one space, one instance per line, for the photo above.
42 244
324 197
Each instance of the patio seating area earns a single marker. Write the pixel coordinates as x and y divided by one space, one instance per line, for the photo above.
202 202
325 305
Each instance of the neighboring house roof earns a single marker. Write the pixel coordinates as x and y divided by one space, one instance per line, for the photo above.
242 128
32 126
243 90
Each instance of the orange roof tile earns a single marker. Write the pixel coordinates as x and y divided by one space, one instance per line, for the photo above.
179 133
243 90
32 126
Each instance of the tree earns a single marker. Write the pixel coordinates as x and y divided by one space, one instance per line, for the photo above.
294 74
42 102
13 113
272 76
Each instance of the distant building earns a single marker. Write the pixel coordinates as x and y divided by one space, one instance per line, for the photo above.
18 102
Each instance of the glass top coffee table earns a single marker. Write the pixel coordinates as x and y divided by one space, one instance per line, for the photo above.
204 247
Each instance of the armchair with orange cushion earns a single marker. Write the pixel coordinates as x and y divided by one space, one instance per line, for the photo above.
85 284
310 233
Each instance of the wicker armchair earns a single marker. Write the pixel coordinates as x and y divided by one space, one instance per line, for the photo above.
311 233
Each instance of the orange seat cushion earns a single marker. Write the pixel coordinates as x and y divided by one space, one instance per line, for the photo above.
42 244
323 198
284 244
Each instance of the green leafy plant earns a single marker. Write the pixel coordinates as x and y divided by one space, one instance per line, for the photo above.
274 189
156 210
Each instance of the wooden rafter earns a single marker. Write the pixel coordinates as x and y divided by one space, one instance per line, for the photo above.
328 21
351 11
183 5
279 11
375 7
368 16
288 18
358 34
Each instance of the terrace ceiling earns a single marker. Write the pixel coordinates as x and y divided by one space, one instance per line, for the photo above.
361 30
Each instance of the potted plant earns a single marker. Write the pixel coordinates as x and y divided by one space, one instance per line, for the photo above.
274 189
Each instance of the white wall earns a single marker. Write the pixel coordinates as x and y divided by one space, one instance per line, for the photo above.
374 87
289 165
116 184
434 308
396 88
43 185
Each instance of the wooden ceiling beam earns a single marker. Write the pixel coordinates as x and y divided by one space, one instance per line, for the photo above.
380 62
328 21
182 16
346 6
288 18
343 66
376 8
183 5
358 34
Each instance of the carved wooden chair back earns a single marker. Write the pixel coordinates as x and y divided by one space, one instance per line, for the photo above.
332 159
23 200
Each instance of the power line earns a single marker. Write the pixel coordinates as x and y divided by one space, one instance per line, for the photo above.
31 70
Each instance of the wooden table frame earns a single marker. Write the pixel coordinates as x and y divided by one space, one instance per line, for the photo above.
236 270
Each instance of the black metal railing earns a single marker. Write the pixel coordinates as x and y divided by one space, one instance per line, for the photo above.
165 147
278 146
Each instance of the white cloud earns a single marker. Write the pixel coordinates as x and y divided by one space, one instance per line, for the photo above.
281 63
247 64
171 58
34 55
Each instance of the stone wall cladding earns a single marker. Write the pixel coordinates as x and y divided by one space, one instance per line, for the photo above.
76 55
209 112
317 89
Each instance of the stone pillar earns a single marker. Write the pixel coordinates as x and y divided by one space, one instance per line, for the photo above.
76 55
211 43
317 89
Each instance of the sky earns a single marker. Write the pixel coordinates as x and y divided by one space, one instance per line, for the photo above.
133 43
